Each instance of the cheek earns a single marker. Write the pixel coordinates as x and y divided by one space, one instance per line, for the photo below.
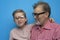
24 21
42 17
15 21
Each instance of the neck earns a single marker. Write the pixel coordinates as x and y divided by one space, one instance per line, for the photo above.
42 25
22 27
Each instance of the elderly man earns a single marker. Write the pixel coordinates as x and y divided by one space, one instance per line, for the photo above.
43 28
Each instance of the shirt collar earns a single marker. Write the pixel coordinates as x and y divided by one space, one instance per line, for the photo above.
46 26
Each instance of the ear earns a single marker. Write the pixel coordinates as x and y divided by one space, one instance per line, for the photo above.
46 14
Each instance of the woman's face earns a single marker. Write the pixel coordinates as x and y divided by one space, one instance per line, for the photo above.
20 19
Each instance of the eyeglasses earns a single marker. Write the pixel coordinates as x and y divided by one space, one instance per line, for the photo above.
37 14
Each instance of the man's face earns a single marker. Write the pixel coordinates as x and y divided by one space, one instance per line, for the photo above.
40 15
20 19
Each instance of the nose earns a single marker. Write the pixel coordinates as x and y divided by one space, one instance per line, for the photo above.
19 20
36 16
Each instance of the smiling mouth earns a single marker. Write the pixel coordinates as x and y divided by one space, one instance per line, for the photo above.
19 22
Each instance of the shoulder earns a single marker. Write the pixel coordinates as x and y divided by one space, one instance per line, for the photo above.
57 30
54 25
29 26
13 30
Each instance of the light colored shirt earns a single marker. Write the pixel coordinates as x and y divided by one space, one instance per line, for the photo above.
50 31
21 34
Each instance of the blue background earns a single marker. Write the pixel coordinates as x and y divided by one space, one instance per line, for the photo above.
8 6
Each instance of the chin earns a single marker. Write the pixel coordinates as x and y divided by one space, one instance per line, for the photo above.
20 25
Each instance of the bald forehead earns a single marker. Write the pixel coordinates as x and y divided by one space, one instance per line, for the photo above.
39 8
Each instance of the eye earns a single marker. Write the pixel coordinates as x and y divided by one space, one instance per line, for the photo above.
16 18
